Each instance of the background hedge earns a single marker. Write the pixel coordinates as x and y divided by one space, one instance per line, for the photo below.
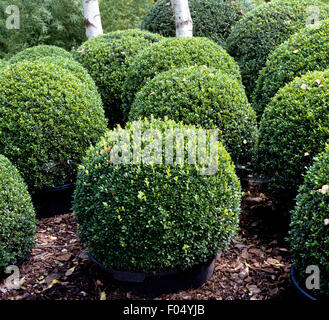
211 18
309 235
47 121
17 216
123 14
172 53
52 22
203 97
107 58
151 217
307 50
294 128
260 31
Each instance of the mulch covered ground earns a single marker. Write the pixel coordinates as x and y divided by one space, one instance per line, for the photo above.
256 267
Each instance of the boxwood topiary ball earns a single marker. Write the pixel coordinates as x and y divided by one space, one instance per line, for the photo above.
38 52
174 53
211 18
309 234
107 58
294 128
307 50
48 119
78 71
155 215
17 216
203 97
260 31
2 63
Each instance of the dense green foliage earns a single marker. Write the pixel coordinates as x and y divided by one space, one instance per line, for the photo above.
17 216
48 118
172 53
211 18
151 216
2 63
107 58
307 50
203 97
294 128
78 71
260 31
53 22
309 235
123 14
38 52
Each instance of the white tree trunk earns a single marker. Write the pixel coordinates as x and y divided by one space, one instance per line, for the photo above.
93 21
184 24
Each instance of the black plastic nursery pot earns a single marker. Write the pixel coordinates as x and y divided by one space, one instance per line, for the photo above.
301 292
245 174
54 202
153 285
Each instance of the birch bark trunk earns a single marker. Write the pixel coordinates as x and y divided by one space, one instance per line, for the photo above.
92 16
184 24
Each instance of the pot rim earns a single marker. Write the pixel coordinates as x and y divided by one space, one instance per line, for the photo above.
55 189
139 277
300 290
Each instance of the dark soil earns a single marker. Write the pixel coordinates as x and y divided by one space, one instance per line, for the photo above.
256 266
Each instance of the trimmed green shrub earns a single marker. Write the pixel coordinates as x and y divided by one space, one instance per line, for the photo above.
294 128
119 34
123 14
203 97
307 50
52 22
211 18
309 234
174 53
151 216
2 63
17 216
38 52
48 118
260 31
78 71
107 58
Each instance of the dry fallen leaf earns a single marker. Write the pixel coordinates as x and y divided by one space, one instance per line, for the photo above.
324 189
69 272
52 284
254 289
64 257
245 254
